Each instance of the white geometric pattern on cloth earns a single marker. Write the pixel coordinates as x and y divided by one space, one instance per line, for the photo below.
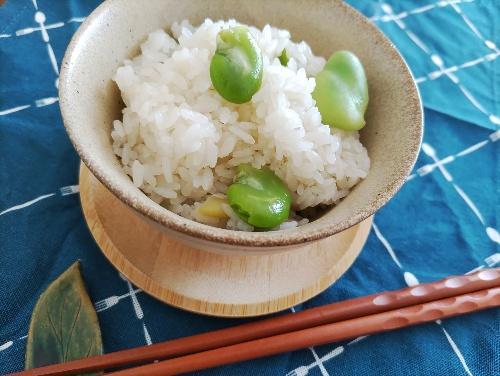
30 29
490 231
490 261
14 109
386 18
455 348
113 300
428 168
468 64
40 19
425 8
408 276
420 172
42 28
488 43
436 59
318 361
42 102
64 191
139 313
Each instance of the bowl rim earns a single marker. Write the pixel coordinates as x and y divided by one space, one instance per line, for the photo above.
155 212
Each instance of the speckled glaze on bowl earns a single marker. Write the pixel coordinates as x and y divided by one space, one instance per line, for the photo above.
90 101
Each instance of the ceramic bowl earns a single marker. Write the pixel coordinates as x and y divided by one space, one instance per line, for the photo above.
90 101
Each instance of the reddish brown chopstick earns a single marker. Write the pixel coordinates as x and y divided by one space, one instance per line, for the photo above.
320 335
327 314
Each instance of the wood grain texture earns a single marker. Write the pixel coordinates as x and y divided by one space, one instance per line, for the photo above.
209 283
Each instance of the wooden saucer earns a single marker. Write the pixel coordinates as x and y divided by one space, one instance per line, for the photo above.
209 283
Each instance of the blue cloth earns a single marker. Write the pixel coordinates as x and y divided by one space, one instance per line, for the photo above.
444 221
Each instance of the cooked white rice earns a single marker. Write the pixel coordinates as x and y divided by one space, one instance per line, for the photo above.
180 141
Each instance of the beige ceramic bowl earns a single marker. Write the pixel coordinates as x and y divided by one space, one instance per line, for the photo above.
90 101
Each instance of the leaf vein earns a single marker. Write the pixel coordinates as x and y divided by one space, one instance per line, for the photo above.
72 329
90 348
61 312
54 328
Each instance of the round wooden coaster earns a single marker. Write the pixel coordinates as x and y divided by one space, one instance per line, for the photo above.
209 283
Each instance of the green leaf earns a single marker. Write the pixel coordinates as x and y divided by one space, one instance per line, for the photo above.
64 324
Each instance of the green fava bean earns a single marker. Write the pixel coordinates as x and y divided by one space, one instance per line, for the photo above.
259 197
236 68
341 92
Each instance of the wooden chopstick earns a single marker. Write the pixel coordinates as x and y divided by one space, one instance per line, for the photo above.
320 335
327 314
